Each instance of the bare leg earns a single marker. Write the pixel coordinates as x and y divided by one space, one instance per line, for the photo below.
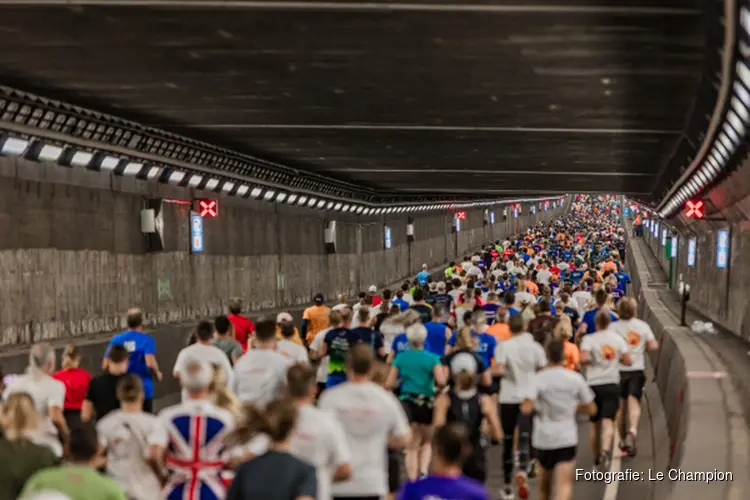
425 451
545 483
411 461
594 438
634 414
564 480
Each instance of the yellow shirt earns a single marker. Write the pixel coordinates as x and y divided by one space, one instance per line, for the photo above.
317 318
294 338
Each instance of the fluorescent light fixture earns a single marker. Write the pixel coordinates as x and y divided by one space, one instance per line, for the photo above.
337 206
353 208
14 146
311 202
321 204
153 173
737 123
194 180
256 192
50 153
292 198
132 168
345 208
302 199
81 159
242 190
330 205
175 177
268 196
281 197
227 187
360 210
743 72
109 163
211 184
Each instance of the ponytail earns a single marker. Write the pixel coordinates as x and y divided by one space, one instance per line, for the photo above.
277 421
71 356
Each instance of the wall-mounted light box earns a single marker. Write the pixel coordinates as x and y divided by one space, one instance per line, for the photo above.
692 250
387 237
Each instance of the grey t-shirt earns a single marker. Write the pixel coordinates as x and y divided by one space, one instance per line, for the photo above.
274 476
230 347
521 356
605 350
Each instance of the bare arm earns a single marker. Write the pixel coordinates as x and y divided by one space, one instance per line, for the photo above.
489 408
440 412
527 406
87 411
626 359
585 357
392 379
438 373
153 366
652 345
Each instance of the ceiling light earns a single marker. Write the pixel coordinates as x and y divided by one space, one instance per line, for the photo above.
360 210
132 168
175 177
256 192
50 153
292 198
13 146
211 184
311 202
345 208
109 163
330 205
281 197
81 159
268 196
153 173
302 199
321 204
337 206
242 190
228 186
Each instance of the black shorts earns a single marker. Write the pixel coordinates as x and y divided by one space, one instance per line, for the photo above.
394 470
631 384
148 405
607 399
418 412
548 459
496 385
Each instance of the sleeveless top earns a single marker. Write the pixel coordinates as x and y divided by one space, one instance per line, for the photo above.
468 412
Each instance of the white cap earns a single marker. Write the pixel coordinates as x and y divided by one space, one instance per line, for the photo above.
284 316
463 362
441 285
372 289
433 286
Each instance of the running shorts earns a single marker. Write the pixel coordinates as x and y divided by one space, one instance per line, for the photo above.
496 385
418 409
631 384
607 399
394 470
548 459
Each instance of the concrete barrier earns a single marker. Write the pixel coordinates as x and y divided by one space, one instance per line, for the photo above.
705 429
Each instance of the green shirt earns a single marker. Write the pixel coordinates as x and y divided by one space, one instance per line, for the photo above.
20 459
78 482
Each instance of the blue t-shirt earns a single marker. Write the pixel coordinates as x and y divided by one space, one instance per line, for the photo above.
443 488
339 342
401 343
588 318
623 280
485 346
436 338
575 276
567 256
415 371
490 310
512 311
423 277
138 344
401 303
369 336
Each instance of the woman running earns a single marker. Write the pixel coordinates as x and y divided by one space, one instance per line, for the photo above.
420 371
466 405
76 381
556 394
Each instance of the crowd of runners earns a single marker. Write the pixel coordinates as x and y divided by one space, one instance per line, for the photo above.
399 395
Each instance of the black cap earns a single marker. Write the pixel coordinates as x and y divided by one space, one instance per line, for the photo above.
318 298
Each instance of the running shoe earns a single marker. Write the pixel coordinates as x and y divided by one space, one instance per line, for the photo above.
507 493
522 486
630 445
604 462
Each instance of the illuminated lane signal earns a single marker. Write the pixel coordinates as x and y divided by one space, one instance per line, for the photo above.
694 209
461 215
208 208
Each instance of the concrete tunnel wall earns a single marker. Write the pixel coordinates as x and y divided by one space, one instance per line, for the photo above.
73 258
719 295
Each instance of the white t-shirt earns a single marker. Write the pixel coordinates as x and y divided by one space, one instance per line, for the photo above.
543 276
582 298
374 310
408 299
46 393
260 374
605 350
522 297
207 354
315 345
557 392
295 352
319 440
455 294
369 415
522 356
127 437
636 333
340 307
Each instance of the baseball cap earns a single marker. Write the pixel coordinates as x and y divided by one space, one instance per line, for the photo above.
372 289
463 362
318 298
284 316
433 287
441 285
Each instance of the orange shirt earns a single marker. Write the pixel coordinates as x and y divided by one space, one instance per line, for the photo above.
500 331
532 288
317 319
610 266
572 356
294 338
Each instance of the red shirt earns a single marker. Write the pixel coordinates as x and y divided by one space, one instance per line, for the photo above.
76 382
243 329
555 270
376 300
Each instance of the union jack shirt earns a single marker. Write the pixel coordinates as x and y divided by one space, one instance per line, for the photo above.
196 430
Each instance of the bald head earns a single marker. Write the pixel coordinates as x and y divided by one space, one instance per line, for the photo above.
135 319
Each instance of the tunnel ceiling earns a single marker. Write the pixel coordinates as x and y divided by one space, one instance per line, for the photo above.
469 98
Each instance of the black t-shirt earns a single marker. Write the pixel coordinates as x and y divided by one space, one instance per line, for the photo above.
425 312
274 476
103 394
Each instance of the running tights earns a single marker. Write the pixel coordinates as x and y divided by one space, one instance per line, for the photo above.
510 417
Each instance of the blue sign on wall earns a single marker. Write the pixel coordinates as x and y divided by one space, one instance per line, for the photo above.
674 247
626 211
196 233
692 249
663 237
722 249
515 213
492 217
458 224
388 237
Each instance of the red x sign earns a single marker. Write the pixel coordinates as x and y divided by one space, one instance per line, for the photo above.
694 209
208 208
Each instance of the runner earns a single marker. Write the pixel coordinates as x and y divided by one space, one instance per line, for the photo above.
315 318
288 345
243 327
419 371
588 323
438 334
465 404
101 397
337 344
224 341
517 360
76 381
603 352
203 350
640 338
556 394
